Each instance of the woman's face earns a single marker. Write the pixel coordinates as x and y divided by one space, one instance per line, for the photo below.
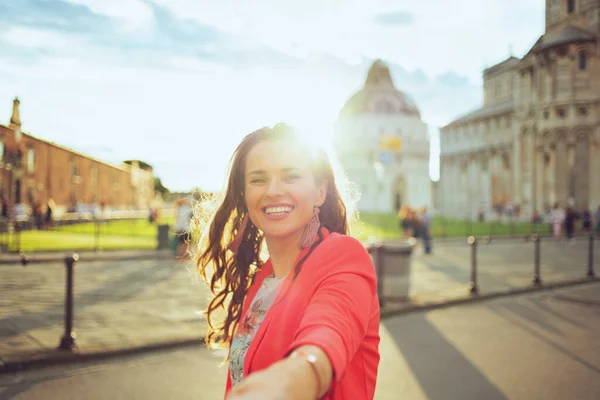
280 189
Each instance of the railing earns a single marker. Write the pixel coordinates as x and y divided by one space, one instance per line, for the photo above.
481 265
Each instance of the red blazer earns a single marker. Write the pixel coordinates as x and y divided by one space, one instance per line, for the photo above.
332 304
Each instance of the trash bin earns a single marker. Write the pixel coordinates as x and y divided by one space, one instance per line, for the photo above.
162 239
392 262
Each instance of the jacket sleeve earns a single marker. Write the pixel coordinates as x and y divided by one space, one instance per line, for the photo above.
339 311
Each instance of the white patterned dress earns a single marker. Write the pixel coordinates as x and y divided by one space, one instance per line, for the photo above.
249 325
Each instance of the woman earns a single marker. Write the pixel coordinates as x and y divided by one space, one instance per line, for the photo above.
303 324
558 218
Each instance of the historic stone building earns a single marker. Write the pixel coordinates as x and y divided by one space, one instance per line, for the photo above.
33 171
536 139
383 145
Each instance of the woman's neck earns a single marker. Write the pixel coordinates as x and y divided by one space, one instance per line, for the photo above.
283 253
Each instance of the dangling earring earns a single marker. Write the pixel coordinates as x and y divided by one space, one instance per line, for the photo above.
237 241
311 229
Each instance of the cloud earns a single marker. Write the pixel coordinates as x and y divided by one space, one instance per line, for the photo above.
452 79
173 80
53 15
395 18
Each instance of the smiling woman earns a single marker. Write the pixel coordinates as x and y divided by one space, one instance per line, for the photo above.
304 323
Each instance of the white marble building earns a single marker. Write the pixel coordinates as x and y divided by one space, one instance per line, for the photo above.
378 114
536 139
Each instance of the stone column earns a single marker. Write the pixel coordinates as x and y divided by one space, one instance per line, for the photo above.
528 160
539 178
561 172
594 170
516 167
485 183
550 176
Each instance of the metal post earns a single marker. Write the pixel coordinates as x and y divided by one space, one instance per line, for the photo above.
537 279
67 342
381 274
474 290
590 271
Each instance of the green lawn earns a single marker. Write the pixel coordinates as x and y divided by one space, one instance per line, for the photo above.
33 241
386 226
133 228
140 234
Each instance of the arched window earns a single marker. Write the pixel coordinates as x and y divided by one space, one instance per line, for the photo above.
582 60
570 6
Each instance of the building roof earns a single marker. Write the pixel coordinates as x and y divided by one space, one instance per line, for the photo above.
509 63
569 34
121 166
379 96
484 112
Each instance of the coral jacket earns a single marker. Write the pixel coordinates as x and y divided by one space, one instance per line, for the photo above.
332 304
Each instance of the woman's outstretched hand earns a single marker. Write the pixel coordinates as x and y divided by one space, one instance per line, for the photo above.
289 379
269 384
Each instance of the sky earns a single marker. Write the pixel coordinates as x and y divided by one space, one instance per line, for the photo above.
178 83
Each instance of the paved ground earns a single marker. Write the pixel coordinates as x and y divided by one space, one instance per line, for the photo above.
537 346
126 304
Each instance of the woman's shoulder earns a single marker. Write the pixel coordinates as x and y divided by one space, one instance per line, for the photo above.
343 243
339 251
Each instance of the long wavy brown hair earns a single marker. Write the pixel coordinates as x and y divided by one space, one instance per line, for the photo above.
230 275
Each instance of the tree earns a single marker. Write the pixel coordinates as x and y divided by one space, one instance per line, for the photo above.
143 165
159 187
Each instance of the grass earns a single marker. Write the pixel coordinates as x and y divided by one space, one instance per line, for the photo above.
112 235
122 228
386 226
35 241
140 234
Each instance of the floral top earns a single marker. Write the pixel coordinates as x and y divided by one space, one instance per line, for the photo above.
249 324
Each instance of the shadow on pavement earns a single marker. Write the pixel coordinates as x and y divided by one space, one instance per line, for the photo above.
111 291
451 376
513 314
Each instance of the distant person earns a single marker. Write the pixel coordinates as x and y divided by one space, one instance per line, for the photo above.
536 218
304 323
598 220
570 218
48 218
426 229
558 218
183 216
586 222
4 205
481 215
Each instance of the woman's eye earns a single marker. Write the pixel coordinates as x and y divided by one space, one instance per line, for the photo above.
257 180
292 177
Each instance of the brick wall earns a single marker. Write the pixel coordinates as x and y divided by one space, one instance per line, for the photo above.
70 178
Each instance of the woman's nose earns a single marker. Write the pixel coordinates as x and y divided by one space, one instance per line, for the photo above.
275 187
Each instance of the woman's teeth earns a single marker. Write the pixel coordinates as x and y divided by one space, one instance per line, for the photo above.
278 210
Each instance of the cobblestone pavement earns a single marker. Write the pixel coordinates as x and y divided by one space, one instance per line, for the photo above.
127 304
117 304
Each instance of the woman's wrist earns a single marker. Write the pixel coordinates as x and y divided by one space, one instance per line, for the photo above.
304 383
315 361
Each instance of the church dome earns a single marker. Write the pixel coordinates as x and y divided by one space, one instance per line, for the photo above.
380 96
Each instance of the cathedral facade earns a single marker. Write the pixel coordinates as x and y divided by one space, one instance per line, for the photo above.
535 141
383 146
